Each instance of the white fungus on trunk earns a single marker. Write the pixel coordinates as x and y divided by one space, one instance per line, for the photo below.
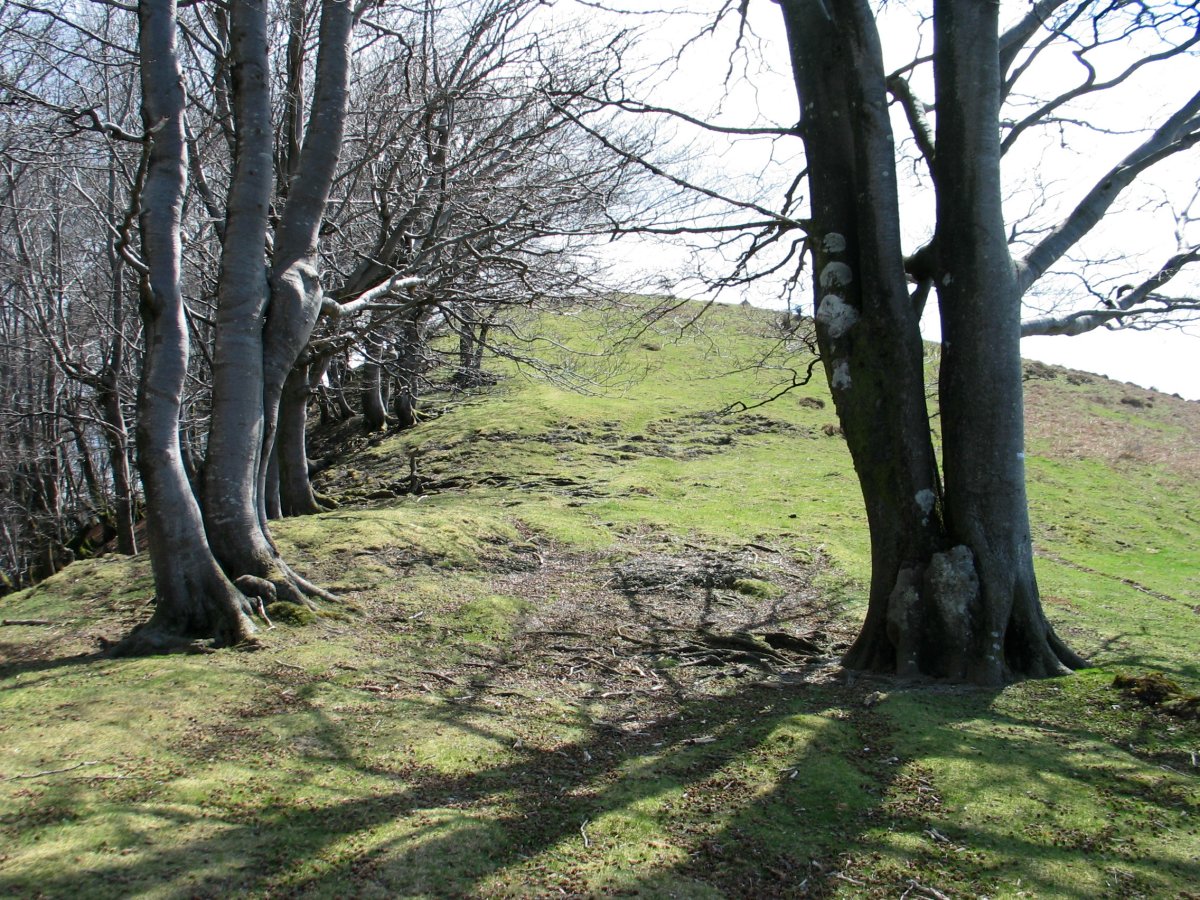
834 242
836 315
925 499
836 275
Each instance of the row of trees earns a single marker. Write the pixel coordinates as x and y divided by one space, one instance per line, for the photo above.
283 193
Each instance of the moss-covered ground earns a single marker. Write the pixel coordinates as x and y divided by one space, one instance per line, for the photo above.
594 652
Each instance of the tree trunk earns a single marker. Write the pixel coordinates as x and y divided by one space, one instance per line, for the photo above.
866 328
1001 631
471 344
477 353
116 434
194 599
410 356
271 485
373 394
296 294
295 490
466 347
234 510
257 344
108 389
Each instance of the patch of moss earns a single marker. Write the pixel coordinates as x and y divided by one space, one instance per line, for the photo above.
489 619
282 612
756 587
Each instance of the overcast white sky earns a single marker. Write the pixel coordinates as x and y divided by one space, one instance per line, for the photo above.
1046 177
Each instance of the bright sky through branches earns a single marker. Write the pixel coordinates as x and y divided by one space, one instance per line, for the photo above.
1047 172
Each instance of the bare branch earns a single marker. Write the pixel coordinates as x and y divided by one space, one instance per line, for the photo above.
914 111
1015 39
85 119
1180 132
1132 307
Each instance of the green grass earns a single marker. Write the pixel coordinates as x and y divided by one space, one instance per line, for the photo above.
470 721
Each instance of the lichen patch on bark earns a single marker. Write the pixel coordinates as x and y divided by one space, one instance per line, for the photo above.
836 314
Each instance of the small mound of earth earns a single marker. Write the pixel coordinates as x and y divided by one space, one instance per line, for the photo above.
1157 690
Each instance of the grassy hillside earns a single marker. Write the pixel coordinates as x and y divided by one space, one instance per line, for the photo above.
596 654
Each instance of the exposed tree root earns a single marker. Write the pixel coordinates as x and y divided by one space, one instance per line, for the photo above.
308 587
935 625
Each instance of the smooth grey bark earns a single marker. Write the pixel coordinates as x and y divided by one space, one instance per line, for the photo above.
108 394
271 486
373 387
195 601
296 496
233 490
980 389
953 593
867 330
264 319
296 295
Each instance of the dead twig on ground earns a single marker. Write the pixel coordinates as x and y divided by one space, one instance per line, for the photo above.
93 762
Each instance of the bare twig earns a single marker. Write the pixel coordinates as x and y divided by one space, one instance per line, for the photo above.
94 762
439 675
929 892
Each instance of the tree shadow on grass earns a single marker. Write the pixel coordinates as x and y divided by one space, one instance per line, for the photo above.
1150 661
18 661
764 791
569 815
1050 809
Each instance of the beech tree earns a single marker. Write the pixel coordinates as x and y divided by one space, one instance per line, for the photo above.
953 592
194 598
266 308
